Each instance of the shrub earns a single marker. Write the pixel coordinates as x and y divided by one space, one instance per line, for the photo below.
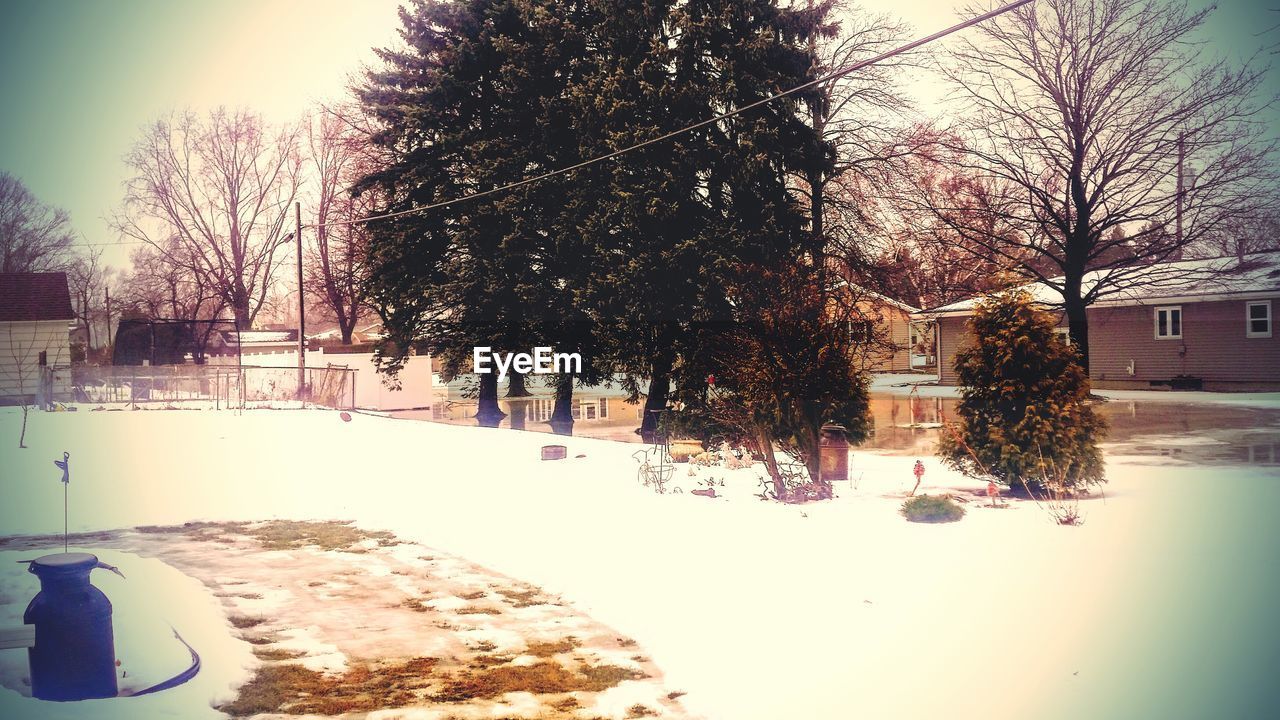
931 509
1023 412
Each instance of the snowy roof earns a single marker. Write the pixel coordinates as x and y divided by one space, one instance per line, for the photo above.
1221 278
873 295
34 297
248 337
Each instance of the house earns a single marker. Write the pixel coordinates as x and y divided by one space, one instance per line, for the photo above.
893 338
1203 324
35 330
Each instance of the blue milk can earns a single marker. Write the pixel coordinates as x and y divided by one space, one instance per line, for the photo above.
74 654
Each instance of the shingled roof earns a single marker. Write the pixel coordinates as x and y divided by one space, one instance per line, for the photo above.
26 297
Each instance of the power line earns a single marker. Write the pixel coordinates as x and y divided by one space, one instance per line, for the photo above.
835 75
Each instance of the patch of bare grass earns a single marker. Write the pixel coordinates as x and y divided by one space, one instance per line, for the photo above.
479 610
547 649
295 690
543 678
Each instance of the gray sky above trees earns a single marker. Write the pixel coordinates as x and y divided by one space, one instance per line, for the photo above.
79 80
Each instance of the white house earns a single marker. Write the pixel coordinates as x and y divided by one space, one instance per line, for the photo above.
35 330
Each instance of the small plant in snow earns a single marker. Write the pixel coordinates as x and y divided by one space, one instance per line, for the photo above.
931 509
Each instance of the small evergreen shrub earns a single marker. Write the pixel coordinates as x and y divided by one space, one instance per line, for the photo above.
931 509
1024 419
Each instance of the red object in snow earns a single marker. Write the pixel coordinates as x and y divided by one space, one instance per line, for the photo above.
708 492
919 470
992 490
711 380
346 416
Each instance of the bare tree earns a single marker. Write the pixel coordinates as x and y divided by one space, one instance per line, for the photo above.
160 287
338 156
1080 114
862 118
88 279
212 194
34 237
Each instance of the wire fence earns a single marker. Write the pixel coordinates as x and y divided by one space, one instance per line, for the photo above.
212 386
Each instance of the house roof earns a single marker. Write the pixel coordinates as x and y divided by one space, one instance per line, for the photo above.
875 296
252 337
27 297
1221 278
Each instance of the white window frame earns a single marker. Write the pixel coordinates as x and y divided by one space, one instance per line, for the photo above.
1249 319
1064 334
1169 322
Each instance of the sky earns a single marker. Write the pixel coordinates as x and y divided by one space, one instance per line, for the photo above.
79 79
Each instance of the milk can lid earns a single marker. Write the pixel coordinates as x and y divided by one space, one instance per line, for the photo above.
64 564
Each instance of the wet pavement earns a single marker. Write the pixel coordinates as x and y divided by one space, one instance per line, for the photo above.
1164 431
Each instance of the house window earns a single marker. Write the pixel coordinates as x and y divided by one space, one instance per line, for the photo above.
1064 334
862 332
1258 319
1168 323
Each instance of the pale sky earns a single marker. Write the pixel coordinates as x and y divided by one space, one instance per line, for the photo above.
79 79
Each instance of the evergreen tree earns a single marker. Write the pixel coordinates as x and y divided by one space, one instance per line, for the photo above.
474 100
1024 416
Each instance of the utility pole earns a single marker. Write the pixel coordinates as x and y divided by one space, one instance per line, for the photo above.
110 340
1178 212
302 305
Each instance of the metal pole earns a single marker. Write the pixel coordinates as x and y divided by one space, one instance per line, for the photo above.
302 303
1178 213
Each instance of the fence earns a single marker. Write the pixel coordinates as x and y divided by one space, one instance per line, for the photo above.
215 386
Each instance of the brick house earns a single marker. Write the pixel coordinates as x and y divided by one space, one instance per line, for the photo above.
35 330
1207 324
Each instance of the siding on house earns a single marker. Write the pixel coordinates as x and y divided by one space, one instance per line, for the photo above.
1214 347
893 325
20 347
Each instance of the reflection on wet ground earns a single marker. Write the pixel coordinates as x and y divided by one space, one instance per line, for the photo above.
908 425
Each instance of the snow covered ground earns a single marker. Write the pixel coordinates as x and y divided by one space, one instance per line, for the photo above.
1161 605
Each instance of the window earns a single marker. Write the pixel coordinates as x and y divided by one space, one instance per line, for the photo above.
1064 334
1258 319
1168 323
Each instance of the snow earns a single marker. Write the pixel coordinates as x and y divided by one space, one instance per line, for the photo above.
1161 605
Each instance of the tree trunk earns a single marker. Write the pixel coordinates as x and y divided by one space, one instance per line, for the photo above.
488 412
771 463
515 386
814 461
562 413
519 414
656 400
1078 327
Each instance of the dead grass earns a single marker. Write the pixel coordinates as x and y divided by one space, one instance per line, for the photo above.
479 610
474 595
417 605
640 711
543 678
281 534
244 622
292 689
547 649
266 653
523 598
